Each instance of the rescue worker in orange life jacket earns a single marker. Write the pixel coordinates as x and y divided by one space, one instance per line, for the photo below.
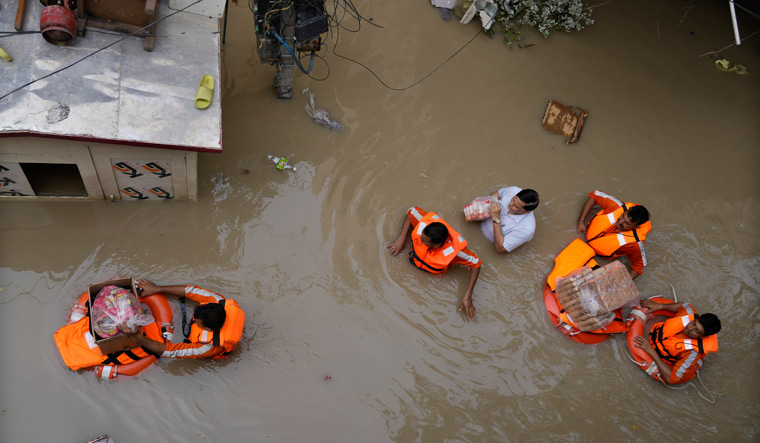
617 229
436 247
216 329
679 345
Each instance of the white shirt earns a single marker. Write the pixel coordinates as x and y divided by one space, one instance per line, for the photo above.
517 228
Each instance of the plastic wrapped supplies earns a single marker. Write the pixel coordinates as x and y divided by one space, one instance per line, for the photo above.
478 209
590 297
114 305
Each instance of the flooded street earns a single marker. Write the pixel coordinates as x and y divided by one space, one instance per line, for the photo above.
303 252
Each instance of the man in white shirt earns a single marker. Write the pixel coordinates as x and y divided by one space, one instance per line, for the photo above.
512 213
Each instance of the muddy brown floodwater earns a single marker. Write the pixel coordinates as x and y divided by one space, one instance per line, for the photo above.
304 253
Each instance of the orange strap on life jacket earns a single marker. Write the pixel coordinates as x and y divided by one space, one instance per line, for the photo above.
435 260
606 243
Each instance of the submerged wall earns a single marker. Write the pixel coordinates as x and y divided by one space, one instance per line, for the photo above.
34 168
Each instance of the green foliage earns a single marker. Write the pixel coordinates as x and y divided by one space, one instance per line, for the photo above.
544 15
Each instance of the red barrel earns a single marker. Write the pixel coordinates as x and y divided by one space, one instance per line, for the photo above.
58 25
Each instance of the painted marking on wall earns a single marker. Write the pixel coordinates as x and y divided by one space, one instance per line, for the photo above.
144 179
13 181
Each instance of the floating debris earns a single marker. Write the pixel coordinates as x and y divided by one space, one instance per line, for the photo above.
281 163
320 116
564 120
725 65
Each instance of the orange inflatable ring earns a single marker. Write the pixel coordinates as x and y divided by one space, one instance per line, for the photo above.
554 309
575 256
162 312
637 325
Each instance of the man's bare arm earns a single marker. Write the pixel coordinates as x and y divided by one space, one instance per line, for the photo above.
398 244
581 227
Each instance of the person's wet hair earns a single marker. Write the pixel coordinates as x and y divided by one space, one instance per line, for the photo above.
638 214
530 198
437 233
212 315
710 323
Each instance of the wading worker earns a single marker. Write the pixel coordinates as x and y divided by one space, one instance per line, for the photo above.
512 222
678 345
436 247
617 229
216 329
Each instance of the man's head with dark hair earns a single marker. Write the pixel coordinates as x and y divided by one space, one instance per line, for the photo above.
530 199
436 234
632 218
638 214
710 323
210 315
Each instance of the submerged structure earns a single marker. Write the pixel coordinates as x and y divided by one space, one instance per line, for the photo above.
104 114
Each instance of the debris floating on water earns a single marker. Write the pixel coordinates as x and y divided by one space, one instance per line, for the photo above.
725 65
320 116
565 120
281 163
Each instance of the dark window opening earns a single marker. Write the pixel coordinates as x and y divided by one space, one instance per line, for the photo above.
54 179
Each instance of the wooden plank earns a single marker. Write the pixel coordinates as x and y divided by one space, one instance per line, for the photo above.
20 13
114 26
150 7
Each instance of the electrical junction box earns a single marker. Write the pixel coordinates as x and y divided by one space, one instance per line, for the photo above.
311 27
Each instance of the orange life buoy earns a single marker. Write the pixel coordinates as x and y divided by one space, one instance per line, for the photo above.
576 255
637 323
161 329
554 310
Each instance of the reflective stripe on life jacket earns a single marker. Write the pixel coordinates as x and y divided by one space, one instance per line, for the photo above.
435 260
230 334
606 241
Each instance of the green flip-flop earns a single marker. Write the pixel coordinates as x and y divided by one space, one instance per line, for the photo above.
5 56
205 92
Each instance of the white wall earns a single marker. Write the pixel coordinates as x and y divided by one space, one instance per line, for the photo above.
126 172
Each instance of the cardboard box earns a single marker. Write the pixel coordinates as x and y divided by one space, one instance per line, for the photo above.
119 342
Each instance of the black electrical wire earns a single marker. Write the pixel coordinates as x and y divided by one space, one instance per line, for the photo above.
746 10
11 34
335 24
418 81
99 50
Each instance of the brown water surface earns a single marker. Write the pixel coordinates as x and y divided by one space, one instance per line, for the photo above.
303 252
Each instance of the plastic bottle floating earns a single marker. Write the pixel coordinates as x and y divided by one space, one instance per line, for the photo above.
281 163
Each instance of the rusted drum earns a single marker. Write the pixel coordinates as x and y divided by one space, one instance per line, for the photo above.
58 25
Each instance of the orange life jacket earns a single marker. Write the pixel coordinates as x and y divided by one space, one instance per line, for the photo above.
575 255
435 260
669 340
230 334
605 244
78 349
